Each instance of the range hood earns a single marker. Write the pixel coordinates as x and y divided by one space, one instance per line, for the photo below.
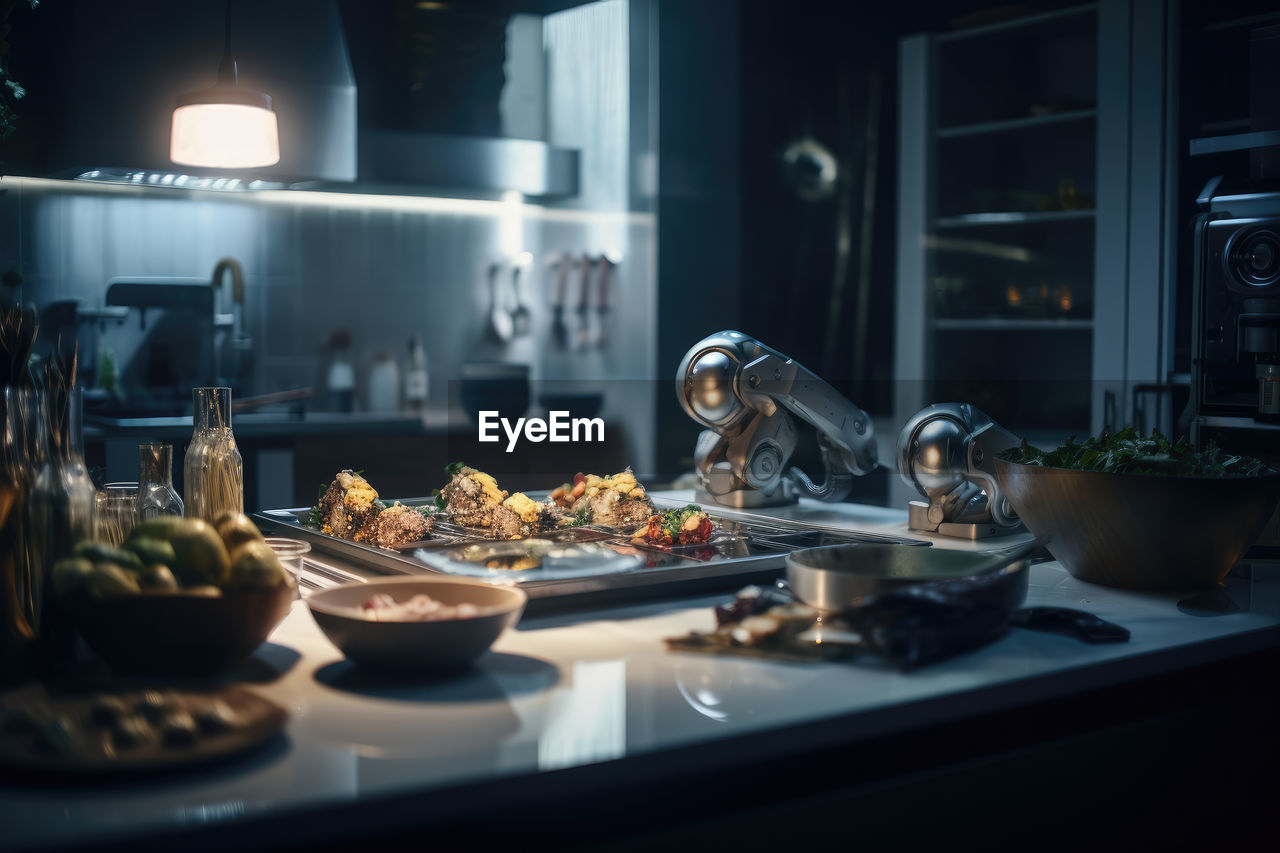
126 61
123 63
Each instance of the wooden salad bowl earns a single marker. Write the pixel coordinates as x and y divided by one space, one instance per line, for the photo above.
1141 531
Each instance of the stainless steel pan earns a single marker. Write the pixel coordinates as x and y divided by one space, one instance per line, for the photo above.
838 577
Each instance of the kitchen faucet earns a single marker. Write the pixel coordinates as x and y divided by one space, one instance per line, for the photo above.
234 367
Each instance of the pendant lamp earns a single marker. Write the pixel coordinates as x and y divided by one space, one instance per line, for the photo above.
226 126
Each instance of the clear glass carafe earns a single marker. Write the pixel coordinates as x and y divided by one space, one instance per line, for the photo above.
156 495
213 469
62 511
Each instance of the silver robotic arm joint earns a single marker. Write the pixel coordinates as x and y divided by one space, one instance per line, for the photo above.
946 452
750 398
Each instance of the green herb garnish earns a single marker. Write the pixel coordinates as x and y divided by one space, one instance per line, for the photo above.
584 515
314 519
674 519
451 470
1128 452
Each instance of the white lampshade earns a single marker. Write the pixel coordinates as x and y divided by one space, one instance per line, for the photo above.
225 135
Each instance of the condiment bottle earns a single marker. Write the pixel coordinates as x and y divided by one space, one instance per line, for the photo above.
415 377
384 384
213 470
342 375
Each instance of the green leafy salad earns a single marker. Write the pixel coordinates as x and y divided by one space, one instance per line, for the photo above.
1128 452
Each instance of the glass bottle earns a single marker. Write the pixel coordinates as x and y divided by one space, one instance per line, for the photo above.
18 418
415 378
156 495
62 511
213 470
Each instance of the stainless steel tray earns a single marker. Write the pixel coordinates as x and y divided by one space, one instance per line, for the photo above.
744 548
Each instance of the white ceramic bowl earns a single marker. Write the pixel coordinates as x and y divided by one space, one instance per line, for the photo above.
416 646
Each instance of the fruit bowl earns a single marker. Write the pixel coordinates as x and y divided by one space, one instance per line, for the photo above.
1141 531
176 633
177 597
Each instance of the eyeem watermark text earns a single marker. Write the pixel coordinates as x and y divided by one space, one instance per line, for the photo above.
558 427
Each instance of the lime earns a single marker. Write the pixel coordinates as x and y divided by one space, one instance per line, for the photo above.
200 558
100 552
106 580
157 578
235 528
69 575
255 566
151 551
160 527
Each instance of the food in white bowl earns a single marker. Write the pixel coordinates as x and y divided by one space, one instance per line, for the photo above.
420 608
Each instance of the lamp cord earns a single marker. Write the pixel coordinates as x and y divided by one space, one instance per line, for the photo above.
227 72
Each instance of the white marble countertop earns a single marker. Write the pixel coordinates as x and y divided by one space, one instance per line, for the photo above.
597 689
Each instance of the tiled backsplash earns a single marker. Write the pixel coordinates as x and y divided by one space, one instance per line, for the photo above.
383 268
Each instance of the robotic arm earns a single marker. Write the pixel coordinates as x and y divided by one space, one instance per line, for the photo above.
946 452
748 396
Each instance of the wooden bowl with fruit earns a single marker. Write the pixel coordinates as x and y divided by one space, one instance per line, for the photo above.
178 597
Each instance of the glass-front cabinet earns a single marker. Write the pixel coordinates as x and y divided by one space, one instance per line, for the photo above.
1015 193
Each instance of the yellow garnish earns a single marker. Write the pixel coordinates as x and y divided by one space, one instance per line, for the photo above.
523 506
488 485
359 494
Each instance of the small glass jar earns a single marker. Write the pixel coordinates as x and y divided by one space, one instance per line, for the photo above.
213 469
117 512
156 495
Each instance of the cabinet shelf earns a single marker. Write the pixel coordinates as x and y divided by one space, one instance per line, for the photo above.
1234 142
1014 24
1010 324
1013 124
974 220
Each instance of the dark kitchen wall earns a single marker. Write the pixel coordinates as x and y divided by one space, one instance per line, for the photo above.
700 254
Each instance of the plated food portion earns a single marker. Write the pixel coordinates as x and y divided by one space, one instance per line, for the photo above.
688 525
473 498
613 501
350 508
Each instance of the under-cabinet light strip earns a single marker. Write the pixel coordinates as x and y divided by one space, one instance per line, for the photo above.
359 201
